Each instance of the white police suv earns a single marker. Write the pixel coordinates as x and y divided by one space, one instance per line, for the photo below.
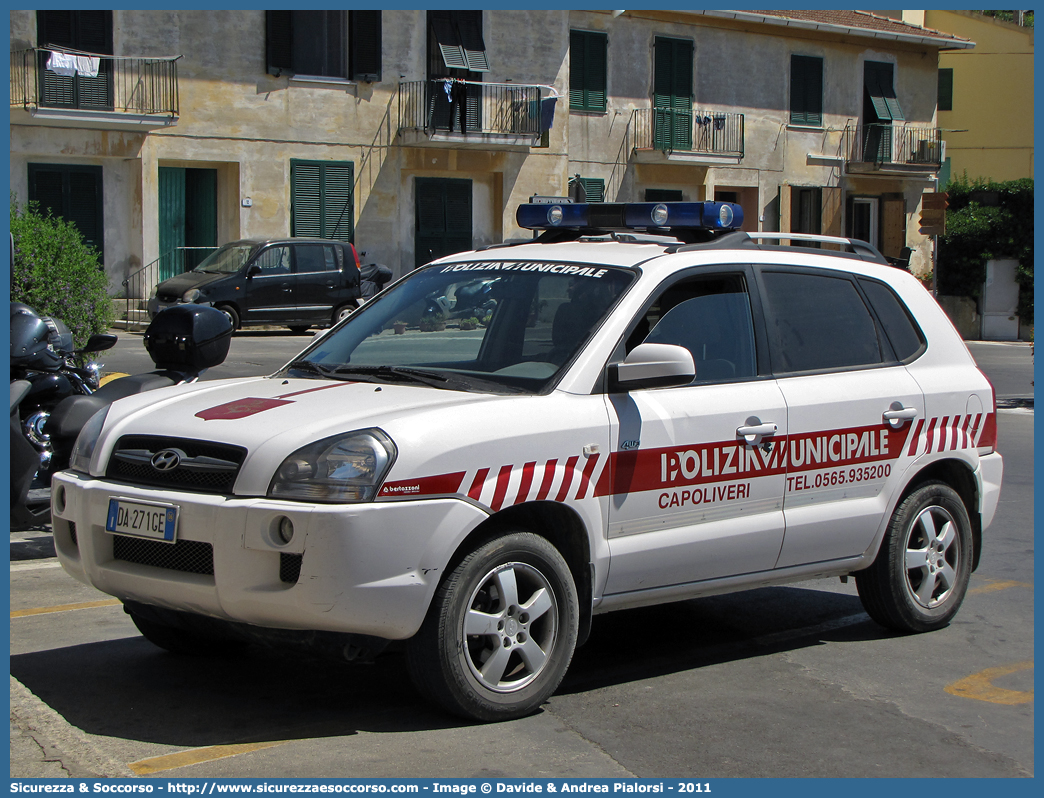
638 406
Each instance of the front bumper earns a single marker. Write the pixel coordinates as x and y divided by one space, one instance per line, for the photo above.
368 569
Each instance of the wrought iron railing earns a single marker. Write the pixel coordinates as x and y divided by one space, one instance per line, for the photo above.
470 108
913 145
699 131
139 284
93 82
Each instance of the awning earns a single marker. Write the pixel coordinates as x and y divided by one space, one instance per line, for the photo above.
882 94
460 40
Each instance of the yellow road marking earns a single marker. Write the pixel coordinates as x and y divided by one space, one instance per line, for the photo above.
980 687
114 375
143 767
993 585
83 605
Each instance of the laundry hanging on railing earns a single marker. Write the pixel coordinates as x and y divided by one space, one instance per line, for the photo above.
68 65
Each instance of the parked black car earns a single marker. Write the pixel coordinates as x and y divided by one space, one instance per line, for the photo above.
297 282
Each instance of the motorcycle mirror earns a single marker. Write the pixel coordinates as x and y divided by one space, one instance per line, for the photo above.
98 342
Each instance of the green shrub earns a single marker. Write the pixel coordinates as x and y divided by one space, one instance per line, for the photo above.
57 274
987 220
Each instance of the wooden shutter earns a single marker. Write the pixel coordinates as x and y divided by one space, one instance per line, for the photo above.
338 205
321 199
279 38
72 193
443 218
587 70
364 30
672 94
946 89
469 25
306 202
806 90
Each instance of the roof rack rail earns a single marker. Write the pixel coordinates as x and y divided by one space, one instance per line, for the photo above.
860 249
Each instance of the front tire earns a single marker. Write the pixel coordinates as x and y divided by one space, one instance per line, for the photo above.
500 632
920 575
233 317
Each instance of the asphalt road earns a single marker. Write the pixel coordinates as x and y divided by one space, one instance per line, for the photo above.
778 682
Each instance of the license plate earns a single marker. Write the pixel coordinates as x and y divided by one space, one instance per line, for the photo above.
142 519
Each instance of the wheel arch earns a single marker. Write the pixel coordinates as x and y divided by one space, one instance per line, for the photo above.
558 524
959 476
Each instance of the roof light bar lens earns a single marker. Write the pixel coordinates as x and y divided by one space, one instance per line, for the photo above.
635 215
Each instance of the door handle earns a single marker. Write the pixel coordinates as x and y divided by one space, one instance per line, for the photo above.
754 430
897 415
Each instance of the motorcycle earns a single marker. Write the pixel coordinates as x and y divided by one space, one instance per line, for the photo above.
183 342
372 279
472 300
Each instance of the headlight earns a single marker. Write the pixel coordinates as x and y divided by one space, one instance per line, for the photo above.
83 451
191 295
344 468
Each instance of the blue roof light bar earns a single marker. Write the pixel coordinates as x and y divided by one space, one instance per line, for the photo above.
631 215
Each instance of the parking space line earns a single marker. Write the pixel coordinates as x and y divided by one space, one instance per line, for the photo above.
83 605
34 565
979 686
194 756
997 584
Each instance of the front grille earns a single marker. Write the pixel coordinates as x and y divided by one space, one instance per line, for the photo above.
289 568
202 466
188 556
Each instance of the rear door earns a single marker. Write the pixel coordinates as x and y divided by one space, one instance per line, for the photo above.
320 283
696 490
851 404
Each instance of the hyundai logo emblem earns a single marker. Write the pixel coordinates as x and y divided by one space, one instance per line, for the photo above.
167 459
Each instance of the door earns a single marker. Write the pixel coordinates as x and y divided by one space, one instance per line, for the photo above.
697 485
672 94
443 218
187 218
269 287
851 405
90 84
319 283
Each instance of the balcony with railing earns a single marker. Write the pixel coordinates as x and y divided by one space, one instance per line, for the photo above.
892 149
473 114
76 89
687 135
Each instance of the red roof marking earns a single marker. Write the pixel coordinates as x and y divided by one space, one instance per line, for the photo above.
476 486
526 484
567 478
585 478
549 477
502 484
240 408
320 388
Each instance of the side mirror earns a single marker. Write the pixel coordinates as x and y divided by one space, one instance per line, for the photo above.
253 269
653 366
99 342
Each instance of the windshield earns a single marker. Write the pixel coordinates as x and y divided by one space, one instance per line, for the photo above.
227 259
502 326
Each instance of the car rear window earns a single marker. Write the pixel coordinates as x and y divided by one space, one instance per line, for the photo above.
907 340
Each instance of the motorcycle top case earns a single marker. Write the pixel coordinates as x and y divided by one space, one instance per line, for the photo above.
37 341
188 337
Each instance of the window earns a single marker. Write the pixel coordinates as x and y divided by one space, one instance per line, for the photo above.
672 94
806 90
711 318
806 211
321 199
337 44
315 258
816 322
587 70
946 89
273 261
85 31
459 38
592 189
663 195
880 92
907 340
73 193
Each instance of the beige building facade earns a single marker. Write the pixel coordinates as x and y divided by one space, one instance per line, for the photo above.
417 133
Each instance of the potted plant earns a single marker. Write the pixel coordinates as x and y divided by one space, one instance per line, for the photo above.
399 327
469 324
431 322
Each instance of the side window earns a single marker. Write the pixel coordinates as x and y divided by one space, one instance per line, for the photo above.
274 260
817 322
907 340
315 258
710 317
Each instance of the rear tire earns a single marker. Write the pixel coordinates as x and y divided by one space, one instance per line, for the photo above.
920 575
298 328
343 311
230 311
500 631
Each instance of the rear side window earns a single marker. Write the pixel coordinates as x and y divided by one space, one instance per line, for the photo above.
817 322
315 258
907 340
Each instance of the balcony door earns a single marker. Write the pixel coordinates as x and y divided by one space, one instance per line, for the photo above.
672 94
456 51
75 83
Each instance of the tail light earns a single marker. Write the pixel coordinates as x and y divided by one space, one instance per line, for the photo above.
355 257
988 431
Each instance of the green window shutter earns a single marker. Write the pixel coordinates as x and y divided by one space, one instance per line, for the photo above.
587 70
672 93
364 30
321 199
946 89
72 193
447 36
806 90
880 85
594 187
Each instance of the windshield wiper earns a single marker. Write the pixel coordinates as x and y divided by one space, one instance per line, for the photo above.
398 373
315 368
